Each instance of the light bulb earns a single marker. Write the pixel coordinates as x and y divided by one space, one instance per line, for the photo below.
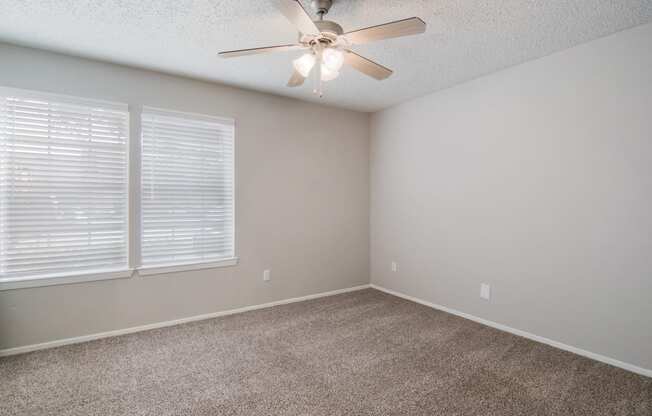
304 64
333 59
328 74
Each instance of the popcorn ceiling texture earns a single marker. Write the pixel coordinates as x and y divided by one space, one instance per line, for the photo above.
465 38
362 353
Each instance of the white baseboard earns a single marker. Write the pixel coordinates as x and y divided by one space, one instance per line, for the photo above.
91 337
607 360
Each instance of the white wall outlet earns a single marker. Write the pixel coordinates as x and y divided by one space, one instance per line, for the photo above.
267 275
485 291
394 266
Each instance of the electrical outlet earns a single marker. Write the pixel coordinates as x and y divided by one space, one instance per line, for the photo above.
267 275
485 291
394 266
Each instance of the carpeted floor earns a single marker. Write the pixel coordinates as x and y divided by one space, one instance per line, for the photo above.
362 353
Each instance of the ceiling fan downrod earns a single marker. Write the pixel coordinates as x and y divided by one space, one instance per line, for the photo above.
322 7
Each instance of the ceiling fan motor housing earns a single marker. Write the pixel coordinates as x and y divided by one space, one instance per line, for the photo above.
329 34
327 26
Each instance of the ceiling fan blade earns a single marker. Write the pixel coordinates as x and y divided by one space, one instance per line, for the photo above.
255 51
405 27
366 66
296 79
297 15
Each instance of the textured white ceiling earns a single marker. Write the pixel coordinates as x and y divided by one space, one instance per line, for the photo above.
465 38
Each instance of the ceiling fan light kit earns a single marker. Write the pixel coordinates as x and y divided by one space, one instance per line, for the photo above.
328 47
331 62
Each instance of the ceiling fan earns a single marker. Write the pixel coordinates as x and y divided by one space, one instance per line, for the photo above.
328 46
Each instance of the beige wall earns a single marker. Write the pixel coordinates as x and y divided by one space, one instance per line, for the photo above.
536 179
301 204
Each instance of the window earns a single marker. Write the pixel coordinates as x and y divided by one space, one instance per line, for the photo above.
187 214
63 187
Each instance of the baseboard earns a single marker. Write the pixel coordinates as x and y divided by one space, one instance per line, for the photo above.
607 360
91 337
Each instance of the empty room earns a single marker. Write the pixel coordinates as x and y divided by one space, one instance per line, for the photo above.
325 207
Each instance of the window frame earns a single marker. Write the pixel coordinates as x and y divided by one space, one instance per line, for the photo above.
183 266
133 200
50 279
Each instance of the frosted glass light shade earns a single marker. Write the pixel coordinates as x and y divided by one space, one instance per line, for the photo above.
304 64
333 59
328 74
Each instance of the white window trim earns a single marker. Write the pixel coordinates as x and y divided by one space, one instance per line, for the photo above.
176 267
65 279
195 116
134 113
63 98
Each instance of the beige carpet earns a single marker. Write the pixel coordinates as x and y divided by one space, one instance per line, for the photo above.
363 353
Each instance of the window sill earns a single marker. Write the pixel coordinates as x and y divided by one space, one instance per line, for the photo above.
172 268
65 279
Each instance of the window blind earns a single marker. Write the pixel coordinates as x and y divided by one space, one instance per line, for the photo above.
63 186
187 188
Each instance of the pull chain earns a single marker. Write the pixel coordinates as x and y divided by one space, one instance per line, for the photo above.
318 82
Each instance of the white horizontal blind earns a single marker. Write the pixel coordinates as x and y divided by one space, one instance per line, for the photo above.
187 188
63 186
